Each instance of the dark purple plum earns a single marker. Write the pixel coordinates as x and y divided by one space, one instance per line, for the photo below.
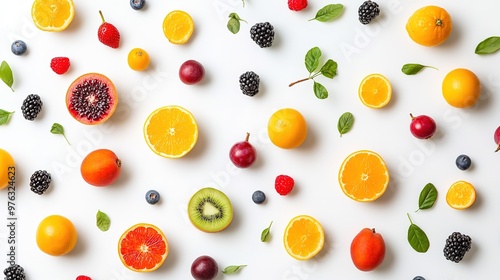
204 268
191 72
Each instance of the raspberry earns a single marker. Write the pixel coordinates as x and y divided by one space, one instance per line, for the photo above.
82 277
297 5
283 184
60 65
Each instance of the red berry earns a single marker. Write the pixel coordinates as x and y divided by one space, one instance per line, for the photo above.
283 184
60 65
83 277
297 5
108 34
496 137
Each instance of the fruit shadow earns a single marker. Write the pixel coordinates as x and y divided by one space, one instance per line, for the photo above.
124 177
389 260
201 144
80 247
311 140
172 260
76 23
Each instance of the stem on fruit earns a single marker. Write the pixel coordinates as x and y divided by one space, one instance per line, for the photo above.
439 22
299 81
248 136
498 148
102 17
412 117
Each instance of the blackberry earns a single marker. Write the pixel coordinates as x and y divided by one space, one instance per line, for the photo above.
40 181
32 106
14 272
249 83
263 34
368 11
456 246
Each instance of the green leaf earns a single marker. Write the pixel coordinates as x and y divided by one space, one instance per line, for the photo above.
320 91
345 123
234 23
428 196
414 68
58 129
6 74
488 45
243 3
329 70
312 59
265 236
329 12
417 238
233 269
4 116
103 222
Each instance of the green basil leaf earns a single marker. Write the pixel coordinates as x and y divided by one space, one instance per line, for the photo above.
232 269
428 196
329 12
6 74
102 221
320 91
329 70
488 45
58 129
312 59
235 16
345 123
233 25
414 68
417 238
4 116
265 236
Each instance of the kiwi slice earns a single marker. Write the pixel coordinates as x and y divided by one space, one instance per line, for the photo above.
210 210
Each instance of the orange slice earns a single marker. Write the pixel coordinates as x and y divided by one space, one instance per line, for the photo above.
375 91
171 131
461 195
304 237
143 248
178 26
52 15
363 176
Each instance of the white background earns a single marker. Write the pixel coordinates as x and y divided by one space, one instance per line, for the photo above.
224 115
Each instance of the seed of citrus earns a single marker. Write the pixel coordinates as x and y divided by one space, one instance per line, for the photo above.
287 128
461 88
178 26
52 15
138 59
304 237
375 91
461 195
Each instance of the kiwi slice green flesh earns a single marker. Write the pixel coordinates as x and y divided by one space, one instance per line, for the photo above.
210 210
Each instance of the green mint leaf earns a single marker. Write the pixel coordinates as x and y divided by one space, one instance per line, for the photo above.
233 25
4 116
312 59
428 196
329 70
265 236
488 45
320 91
233 269
102 221
6 74
414 68
345 123
417 238
58 129
329 12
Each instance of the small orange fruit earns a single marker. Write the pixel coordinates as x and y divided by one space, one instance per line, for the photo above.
7 169
304 237
375 91
56 235
52 15
429 26
101 167
363 176
461 88
138 59
461 195
287 128
143 248
367 249
178 26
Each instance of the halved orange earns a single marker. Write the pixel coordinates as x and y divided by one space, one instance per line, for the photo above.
375 91
171 131
461 195
178 26
363 176
143 248
52 15
304 237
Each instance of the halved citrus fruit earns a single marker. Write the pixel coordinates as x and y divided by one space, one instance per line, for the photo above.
304 237
461 195
143 248
375 91
178 26
363 176
52 15
171 131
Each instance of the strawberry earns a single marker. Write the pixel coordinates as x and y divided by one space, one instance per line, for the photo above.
60 65
108 34
297 5
82 277
284 184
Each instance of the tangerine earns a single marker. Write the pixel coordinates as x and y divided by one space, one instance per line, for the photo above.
56 235
287 128
461 88
7 169
429 26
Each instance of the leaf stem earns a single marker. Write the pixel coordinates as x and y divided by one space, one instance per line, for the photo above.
66 139
411 222
300 81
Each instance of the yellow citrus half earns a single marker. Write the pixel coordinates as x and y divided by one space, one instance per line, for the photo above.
52 15
304 237
178 26
375 91
461 195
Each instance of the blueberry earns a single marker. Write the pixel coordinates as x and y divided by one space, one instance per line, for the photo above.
152 197
18 47
463 162
259 197
137 4
419 278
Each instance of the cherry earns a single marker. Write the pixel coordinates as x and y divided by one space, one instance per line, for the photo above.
496 137
422 126
204 268
243 154
191 72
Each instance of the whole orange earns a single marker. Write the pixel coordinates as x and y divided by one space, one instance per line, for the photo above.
287 128
429 26
56 235
100 167
461 88
367 249
138 59
7 169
